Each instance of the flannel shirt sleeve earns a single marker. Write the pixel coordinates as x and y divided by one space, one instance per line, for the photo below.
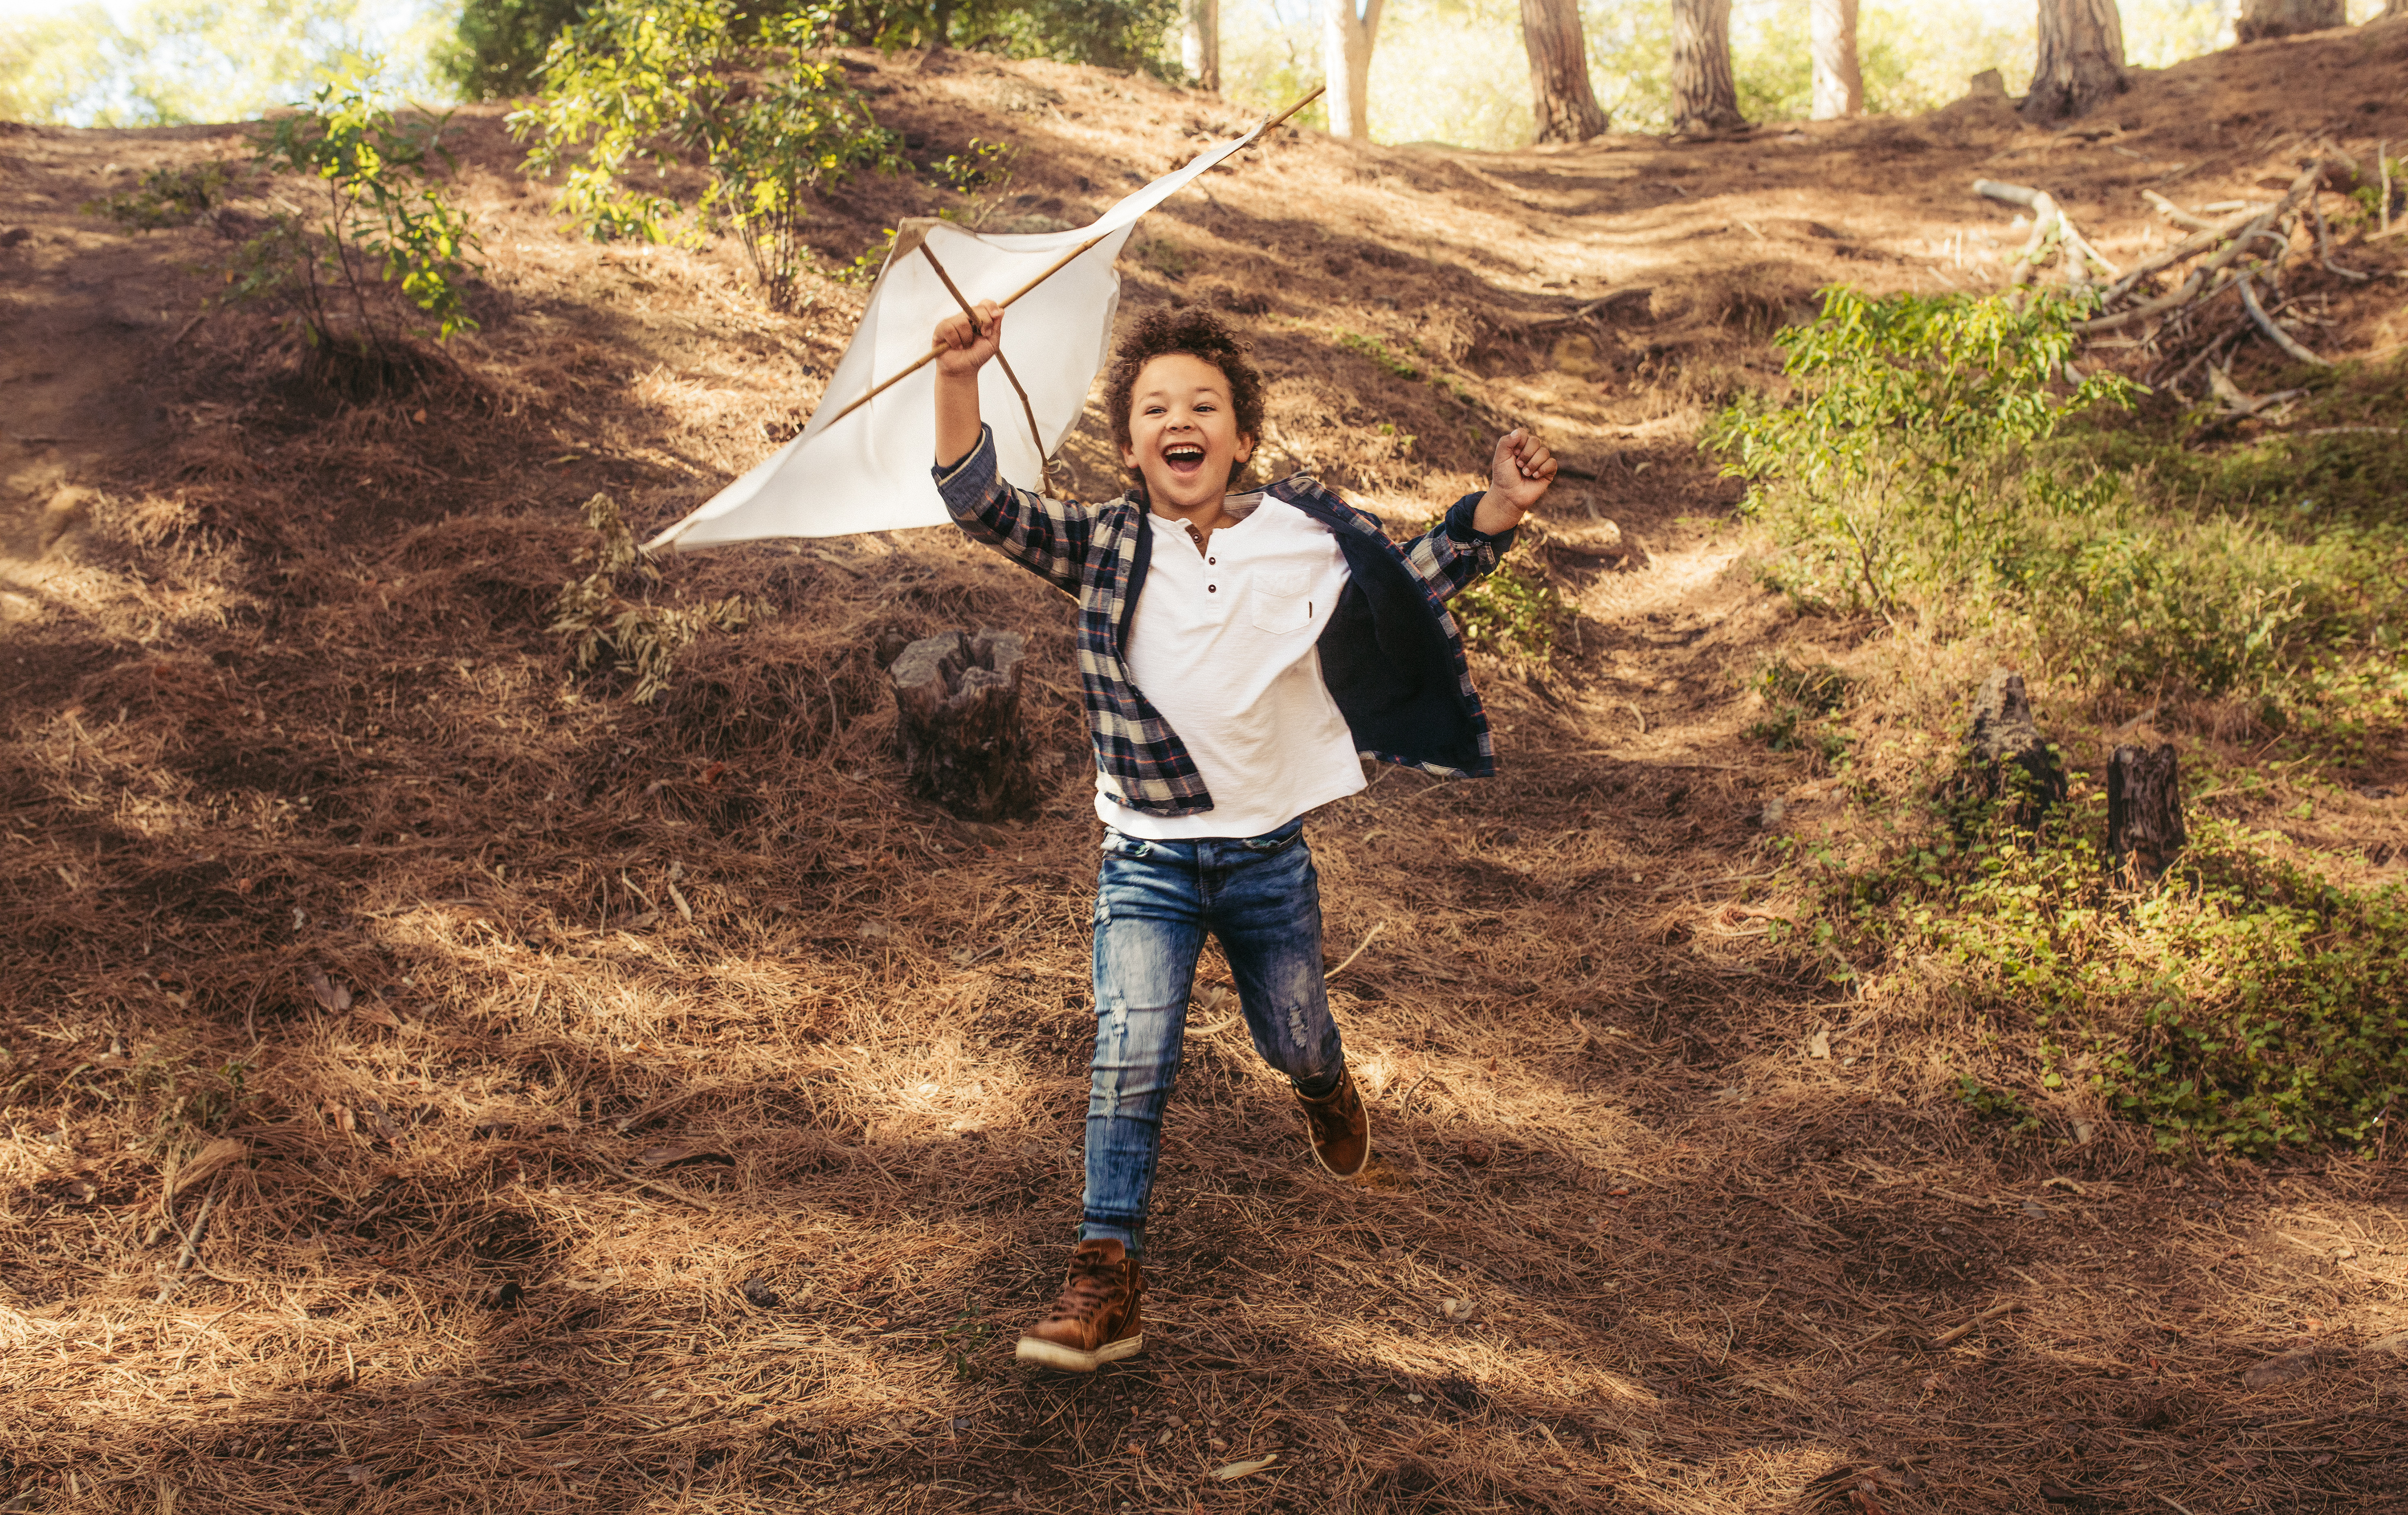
1050 537
1451 554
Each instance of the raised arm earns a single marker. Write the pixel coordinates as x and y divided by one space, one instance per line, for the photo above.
967 351
1047 537
1468 543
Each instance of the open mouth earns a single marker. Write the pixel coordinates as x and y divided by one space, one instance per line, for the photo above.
1184 457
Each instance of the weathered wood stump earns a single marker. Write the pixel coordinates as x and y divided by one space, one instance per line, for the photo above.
2144 810
2006 759
957 722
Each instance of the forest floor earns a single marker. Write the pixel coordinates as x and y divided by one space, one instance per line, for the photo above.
581 1104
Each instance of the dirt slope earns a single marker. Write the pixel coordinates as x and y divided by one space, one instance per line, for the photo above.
555 1188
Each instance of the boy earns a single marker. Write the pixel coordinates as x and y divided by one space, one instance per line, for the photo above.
1239 654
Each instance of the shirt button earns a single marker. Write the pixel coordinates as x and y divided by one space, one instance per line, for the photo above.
1211 588
1214 560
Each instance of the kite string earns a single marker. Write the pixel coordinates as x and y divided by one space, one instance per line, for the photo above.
1043 463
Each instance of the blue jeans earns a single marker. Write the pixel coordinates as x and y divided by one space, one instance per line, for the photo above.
1155 900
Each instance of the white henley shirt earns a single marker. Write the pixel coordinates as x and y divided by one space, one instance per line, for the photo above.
1223 644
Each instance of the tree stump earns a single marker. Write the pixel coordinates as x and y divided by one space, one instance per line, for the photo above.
957 722
2144 810
2006 759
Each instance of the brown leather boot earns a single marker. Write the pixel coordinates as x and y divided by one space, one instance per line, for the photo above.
1098 1320
1340 1128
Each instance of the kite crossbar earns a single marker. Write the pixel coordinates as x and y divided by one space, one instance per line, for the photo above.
1051 269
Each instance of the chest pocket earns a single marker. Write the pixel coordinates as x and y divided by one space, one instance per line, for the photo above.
1280 603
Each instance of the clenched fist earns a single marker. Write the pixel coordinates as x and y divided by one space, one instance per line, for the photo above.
965 348
1518 479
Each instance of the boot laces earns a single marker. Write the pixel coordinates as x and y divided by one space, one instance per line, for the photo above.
1089 1290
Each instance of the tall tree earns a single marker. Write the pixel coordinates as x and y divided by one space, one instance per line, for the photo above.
2081 59
2262 19
1560 96
1200 47
1346 62
1705 98
1839 77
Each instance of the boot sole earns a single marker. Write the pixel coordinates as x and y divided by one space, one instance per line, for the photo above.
1357 1169
1071 1359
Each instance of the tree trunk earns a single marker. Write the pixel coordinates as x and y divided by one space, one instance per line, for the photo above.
1560 96
2145 816
1839 79
1201 44
1346 63
1705 98
957 720
941 30
2395 7
2006 760
2262 19
2081 59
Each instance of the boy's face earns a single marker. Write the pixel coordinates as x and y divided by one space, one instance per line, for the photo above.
1183 435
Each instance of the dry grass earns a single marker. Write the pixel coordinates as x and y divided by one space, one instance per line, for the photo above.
652 1109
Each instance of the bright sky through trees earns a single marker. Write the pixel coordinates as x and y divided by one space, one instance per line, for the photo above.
1444 71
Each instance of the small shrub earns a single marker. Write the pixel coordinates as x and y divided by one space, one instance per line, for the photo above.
1512 612
169 196
1935 463
639 639
1796 700
380 246
2244 1004
978 168
1377 351
1997 1105
667 81
1881 467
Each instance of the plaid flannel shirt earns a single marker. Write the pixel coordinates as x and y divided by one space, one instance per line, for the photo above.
1097 555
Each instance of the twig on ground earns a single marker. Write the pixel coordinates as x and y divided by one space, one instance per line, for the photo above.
2189 247
2276 334
1957 1333
1369 938
2324 248
191 1247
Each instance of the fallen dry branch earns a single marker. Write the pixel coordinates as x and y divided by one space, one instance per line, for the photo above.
2226 244
2276 334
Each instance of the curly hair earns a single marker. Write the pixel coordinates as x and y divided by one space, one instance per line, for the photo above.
1200 334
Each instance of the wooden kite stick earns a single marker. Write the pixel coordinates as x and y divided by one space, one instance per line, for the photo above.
1056 266
963 301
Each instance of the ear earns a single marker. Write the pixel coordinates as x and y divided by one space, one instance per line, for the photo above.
1245 447
1128 456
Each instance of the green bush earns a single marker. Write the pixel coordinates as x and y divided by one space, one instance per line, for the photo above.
2245 1005
498 46
1796 701
1934 461
1881 472
168 196
380 246
666 82
1110 34
1512 612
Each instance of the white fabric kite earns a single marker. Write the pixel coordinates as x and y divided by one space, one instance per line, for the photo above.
870 469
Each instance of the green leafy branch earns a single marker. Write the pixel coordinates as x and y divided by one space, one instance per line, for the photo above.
665 82
381 238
